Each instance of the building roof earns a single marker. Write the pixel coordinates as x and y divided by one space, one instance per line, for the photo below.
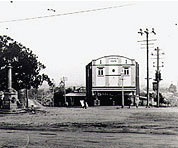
113 56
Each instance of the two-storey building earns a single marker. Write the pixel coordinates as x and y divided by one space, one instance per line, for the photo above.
110 78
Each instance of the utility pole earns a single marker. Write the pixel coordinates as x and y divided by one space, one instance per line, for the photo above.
122 79
158 74
147 47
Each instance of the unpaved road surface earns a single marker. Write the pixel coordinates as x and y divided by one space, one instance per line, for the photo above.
95 127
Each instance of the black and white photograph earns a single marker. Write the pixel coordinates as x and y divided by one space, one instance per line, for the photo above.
88 74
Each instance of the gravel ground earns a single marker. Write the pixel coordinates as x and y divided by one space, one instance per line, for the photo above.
95 127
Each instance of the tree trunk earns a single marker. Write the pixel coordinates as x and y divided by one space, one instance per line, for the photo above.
26 97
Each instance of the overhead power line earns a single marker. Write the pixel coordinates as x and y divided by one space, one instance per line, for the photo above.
68 13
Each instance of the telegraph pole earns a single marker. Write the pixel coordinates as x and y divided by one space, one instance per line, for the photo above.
122 79
147 48
158 74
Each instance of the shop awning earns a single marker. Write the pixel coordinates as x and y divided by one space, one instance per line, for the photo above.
76 95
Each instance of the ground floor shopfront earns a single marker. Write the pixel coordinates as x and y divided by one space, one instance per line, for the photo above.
114 96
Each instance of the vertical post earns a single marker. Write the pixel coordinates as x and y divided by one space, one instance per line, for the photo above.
9 77
26 97
65 94
122 91
53 97
147 47
53 86
7 95
62 83
65 101
158 73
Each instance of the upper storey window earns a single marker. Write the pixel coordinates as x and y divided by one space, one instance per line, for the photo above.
100 71
126 71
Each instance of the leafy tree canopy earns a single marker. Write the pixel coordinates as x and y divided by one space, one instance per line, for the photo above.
25 66
172 88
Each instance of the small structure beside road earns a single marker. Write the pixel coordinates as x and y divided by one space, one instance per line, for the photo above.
74 98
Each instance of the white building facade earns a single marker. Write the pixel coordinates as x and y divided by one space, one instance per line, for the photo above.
110 76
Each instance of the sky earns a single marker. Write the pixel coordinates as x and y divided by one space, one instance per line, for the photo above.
66 42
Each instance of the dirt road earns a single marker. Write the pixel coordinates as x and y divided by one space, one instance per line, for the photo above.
95 127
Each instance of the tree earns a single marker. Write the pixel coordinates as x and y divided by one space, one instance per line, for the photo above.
25 66
172 88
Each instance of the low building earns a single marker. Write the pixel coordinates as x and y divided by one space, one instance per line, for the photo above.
74 98
111 79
